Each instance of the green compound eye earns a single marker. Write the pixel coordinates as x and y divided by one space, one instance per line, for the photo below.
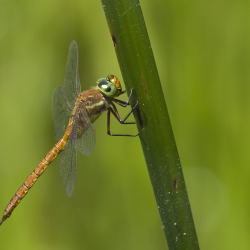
109 86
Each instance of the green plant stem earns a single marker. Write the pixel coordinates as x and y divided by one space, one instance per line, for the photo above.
136 60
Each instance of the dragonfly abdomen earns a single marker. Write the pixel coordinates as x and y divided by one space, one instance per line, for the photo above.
32 178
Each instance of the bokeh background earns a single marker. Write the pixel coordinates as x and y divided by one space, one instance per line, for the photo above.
203 57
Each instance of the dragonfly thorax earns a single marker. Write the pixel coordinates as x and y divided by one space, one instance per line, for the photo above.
110 86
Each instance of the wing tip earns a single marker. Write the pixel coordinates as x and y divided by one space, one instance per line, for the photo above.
69 192
74 44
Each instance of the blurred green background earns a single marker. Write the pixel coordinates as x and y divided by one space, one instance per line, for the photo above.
203 57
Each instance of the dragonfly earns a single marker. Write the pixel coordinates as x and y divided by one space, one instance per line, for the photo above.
74 113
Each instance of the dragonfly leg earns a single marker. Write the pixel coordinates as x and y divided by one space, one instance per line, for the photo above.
131 91
114 111
121 103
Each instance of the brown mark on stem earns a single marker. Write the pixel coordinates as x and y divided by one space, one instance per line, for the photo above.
175 183
114 40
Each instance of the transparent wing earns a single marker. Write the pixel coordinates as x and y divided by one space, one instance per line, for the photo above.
61 112
85 131
64 98
72 85
68 162
82 128
82 136
86 143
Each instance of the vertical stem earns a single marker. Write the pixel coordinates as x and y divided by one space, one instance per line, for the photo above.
136 60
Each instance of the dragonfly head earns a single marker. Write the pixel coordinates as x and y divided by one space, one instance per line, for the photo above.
110 86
